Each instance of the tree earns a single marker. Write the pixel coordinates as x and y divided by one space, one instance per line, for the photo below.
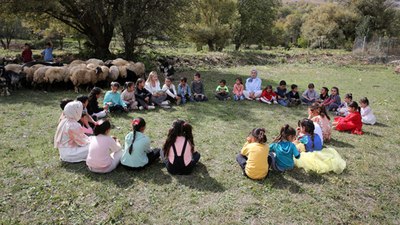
140 20
254 24
10 27
329 25
211 23
93 18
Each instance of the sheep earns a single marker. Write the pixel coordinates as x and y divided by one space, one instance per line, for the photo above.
56 74
39 74
77 62
119 62
113 74
92 66
95 61
138 68
81 76
3 87
105 71
29 71
16 68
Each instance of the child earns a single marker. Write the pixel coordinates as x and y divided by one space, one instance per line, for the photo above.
222 91
324 94
307 140
169 89
333 102
293 96
86 118
238 89
48 52
198 88
63 103
104 150
158 97
137 153
253 158
268 96
113 99
178 152
310 95
27 54
281 93
317 113
93 108
282 150
143 96
352 122
128 95
71 141
184 91
342 110
367 115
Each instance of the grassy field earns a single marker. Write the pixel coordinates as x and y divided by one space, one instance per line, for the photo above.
38 188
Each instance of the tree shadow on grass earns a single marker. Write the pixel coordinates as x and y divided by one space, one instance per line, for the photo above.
340 144
122 177
200 179
372 134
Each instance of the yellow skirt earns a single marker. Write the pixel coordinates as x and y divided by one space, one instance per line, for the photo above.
324 161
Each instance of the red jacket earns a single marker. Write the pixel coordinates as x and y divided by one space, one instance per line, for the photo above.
268 95
27 56
351 122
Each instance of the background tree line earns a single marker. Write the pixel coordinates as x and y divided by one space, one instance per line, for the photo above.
212 23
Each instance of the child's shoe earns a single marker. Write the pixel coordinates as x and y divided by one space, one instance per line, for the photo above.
141 107
151 107
275 102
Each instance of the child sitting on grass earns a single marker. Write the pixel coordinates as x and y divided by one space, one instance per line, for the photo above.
86 118
253 158
170 90
93 107
178 152
268 96
310 95
281 93
367 115
128 95
137 153
222 91
143 96
113 99
198 88
307 140
282 150
293 96
333 102
324 94
317 113
342 110
71 141
238 89
184 91
352 122
104 150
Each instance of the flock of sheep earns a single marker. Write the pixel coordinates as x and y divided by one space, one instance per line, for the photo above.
80 73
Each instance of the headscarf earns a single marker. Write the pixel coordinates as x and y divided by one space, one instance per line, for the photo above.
72 113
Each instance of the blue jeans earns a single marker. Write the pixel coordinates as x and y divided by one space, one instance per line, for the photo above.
307 101
237 98
283 102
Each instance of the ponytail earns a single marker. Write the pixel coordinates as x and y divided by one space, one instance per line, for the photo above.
179 128
285 132
127 85
259 135
354 105
137 125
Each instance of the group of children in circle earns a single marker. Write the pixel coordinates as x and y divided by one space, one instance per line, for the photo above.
83 134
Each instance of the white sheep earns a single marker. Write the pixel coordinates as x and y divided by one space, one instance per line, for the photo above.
103 75
119 62
77 62
38 75
82 76
95 61
16 68
29 71
138 68
113 74
56 74
122 71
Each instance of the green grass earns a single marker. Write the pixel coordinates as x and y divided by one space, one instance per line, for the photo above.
38 188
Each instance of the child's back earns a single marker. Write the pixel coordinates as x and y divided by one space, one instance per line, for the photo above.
285 151
257 163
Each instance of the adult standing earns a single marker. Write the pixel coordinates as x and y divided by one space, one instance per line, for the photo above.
48 52
253 86
27 54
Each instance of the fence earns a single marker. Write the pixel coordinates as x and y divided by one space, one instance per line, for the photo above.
379 46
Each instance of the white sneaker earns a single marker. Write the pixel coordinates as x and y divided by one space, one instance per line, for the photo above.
165 106
151 107
250 99
257 99
141 108
268 102
275 102
165 102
